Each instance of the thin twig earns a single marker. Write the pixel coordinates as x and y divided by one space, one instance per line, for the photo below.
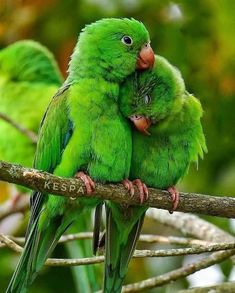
26 132
184 251
152 282
63 239
191 225
59 262
182 272
48 183
10 243
171 240
147 238
227 287
138 253
20 207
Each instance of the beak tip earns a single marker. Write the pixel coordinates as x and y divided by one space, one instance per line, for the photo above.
141 123
146 59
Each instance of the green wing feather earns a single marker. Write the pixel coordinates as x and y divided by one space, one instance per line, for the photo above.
54 134
55 131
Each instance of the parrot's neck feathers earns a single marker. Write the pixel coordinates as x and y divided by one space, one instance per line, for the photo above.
80 68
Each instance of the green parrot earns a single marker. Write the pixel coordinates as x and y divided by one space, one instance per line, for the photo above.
29 76
167 138
83 133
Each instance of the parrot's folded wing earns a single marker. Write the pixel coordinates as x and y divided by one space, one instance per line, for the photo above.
55 131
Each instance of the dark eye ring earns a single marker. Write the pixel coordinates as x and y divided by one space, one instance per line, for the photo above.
147 99
127 40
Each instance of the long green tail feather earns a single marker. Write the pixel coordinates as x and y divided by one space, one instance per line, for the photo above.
39 245
18 282
118 252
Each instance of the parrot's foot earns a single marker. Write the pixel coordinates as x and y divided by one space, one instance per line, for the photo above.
174 198
129 186
143 190
89 183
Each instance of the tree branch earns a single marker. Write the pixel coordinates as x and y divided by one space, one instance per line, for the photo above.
192 225
182 272
20 207
197 249
26 132
152 282
227 287
45 182
147 238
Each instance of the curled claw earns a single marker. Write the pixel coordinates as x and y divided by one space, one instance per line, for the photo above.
89 183
129 186
143 190
174 198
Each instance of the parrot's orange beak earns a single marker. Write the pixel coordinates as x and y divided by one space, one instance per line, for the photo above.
141 123
145 58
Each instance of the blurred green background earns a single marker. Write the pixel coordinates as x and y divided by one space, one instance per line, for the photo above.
196 36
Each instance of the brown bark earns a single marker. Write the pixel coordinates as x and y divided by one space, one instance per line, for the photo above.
45 182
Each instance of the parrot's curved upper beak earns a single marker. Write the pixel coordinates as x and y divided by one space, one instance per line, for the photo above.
141 123
145 58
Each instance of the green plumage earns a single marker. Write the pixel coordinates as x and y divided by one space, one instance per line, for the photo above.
29 76
160 160
82 130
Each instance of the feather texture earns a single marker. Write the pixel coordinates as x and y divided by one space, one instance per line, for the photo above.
82 130
160 160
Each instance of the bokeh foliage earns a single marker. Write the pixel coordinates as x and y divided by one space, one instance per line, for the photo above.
196 36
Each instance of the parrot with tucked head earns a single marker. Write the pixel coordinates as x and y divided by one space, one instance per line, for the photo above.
167 137
29 76
83 134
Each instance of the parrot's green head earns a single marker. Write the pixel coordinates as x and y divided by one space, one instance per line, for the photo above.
149 97
111 48
29 61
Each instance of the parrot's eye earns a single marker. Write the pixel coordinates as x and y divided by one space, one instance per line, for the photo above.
127 40
147 99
